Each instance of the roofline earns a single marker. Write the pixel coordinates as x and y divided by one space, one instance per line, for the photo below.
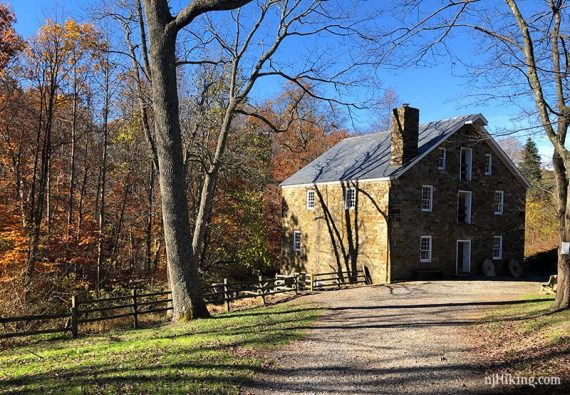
479 117
497 148
482 123
313 184
479 120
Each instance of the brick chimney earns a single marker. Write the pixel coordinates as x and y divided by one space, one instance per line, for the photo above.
405 130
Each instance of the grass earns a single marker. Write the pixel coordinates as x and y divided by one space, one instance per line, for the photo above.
527 339
202 356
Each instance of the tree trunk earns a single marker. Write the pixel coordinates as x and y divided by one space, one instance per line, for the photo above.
149 222
563 287
103 181
80 207
71 191
183 273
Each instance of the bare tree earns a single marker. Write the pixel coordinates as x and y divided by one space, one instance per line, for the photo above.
163 29
247 46
523 59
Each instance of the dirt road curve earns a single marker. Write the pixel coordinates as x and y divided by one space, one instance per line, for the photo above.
400 338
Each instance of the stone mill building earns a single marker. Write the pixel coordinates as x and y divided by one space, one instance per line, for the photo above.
439 197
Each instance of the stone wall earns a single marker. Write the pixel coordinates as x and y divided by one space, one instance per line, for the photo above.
408 223
334 238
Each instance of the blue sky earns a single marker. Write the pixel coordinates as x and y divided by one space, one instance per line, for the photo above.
437 91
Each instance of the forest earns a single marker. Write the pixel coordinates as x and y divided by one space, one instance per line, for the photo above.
80 208
119 143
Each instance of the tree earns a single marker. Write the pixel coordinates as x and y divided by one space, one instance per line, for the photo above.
52 58
530 162
246 57
163 29
522 58
10 42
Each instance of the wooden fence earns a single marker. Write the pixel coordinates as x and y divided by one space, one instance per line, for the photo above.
137 304
323 281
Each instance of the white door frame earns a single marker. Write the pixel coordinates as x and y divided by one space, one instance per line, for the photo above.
470 200
457 256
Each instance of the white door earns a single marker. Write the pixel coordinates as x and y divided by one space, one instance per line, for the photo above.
463 256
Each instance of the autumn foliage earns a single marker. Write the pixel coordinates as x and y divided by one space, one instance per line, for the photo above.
79 199
10 42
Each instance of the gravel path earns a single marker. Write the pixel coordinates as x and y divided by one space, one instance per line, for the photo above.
391 339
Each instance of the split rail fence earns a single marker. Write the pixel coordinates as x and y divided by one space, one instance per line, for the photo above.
137 304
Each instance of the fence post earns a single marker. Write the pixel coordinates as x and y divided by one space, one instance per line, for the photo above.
312 280
338 279
226 294
262 287
135 310
296 284
74 316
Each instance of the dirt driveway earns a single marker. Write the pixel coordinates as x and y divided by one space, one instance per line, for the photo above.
391 339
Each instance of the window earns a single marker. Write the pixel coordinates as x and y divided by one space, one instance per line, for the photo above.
350 198
499 200
425 249
465 164
427 197
441 165
497 247
488 164
464 207
297 240
311 199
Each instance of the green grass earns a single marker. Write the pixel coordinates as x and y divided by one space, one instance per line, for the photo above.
202 356
530 338
535 317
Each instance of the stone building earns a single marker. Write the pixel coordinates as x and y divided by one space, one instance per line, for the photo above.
438 197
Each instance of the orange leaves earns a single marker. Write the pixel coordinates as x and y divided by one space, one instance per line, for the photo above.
10 42
61 47
13 242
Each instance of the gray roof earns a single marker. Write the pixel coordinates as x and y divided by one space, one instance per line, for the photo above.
368 156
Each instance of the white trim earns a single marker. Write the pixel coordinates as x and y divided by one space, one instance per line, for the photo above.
457 256
500 256
428 260
350 204
489 161
480 120
506 160
469 173
347 182
429 209
469 211
444 168
311 192
295 234
502 210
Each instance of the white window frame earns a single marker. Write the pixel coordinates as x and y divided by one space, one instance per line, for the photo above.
469 173
488 164
469 207
499 207
430 201
297 241
311 199
350 202
429 250
500 254
442 153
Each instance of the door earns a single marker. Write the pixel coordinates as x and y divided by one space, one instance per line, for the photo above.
463 260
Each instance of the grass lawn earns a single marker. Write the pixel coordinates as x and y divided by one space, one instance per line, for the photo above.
202 356
527 339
